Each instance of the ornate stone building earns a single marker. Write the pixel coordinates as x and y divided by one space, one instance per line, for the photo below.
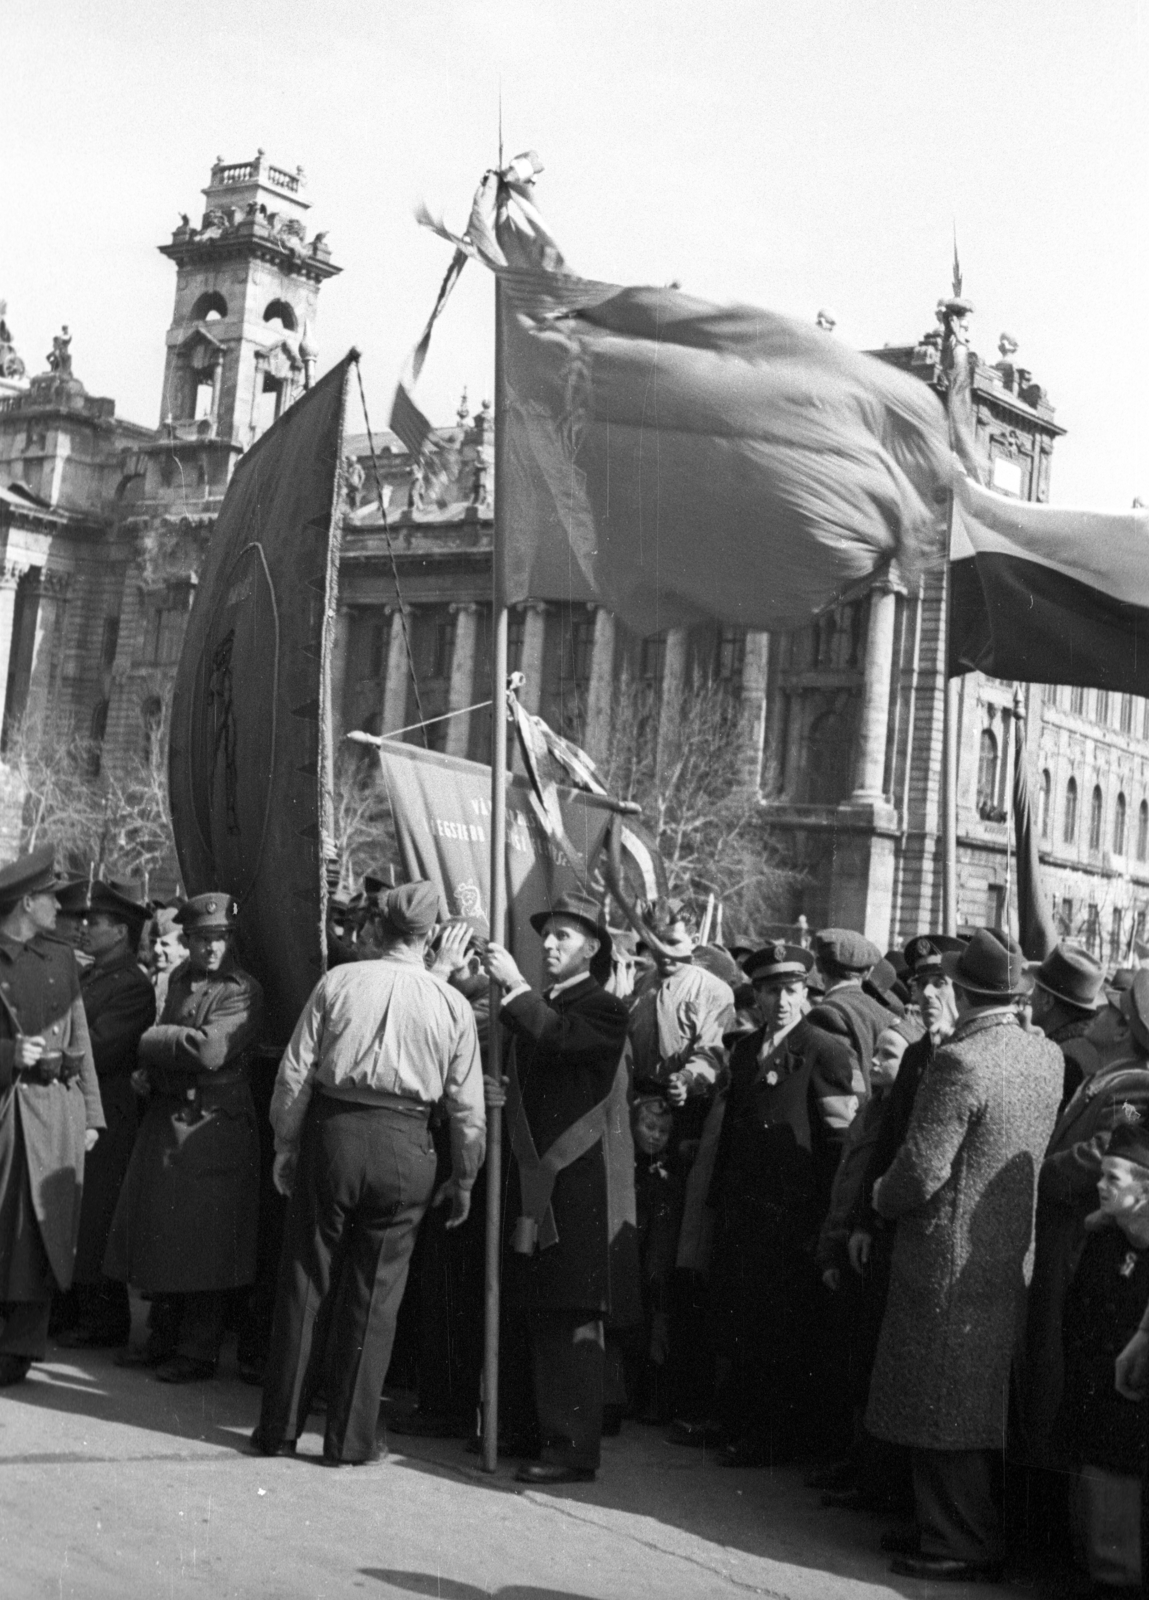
103 525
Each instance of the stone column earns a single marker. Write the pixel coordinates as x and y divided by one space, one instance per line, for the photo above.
53 590
339 643
531 666
10 575
398 673
755 685
670 699
870 772
600 693
462 688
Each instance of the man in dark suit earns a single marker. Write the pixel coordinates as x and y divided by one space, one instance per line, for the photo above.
568 1203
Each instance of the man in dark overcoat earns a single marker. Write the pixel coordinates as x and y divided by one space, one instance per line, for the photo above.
184 1229
50 1112
570 1200
1066 997
119 1004
962 1190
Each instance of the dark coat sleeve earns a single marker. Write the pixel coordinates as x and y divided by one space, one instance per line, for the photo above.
891 1132
117 1023
582 1035
1071 1175
230 1025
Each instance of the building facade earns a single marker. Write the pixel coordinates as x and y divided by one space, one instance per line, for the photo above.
104 524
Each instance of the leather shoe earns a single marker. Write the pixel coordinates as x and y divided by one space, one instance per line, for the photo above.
547 1472
696 1435
378 1454
13 1369
185 1369
942 1570
901 1541
264 1446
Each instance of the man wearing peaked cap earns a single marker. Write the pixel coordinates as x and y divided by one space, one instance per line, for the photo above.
961 1190
120 1004
184 1229
50 1111
379 1044
1066 997
1116 1084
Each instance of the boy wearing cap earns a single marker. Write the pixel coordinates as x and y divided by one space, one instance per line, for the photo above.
571 1191
184 1229
50 1112
378 1045
1117 1091
120 1005
962 1190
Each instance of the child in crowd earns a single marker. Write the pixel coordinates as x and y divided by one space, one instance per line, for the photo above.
659 1183
1097 1430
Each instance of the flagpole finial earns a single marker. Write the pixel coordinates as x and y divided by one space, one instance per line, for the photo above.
957 268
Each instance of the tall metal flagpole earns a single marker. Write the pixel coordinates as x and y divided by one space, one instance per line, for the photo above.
498 908
949 768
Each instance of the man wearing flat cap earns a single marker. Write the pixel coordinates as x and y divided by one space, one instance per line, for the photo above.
844 1025
1116 1090
184 1229
1066 997
962 1190
379 1044
50 1112
570 1200
120 1005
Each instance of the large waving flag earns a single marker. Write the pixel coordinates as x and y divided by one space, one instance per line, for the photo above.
678 460
1047 595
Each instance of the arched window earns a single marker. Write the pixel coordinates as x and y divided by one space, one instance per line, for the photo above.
1044 806
1096 807
987 772
1119 826
1143 831
1069 831
279 311
210 306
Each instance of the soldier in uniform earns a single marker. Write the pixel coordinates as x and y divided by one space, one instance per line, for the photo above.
50 1112
184 1229
119 1003
778 1138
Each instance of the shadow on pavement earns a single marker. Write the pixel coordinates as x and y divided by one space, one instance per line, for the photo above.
429 1583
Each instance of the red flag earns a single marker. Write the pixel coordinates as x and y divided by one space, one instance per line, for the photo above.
1035 930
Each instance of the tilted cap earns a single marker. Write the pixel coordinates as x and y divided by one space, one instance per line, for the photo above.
992 965
72 896
1135 1007
31 874
1130 1138
778 961
412 909
1070 974
214 912
924 953
847 949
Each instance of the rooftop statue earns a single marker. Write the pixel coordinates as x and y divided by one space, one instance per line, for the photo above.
10 364
60 359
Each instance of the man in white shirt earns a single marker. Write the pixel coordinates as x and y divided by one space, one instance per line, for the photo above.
378 1045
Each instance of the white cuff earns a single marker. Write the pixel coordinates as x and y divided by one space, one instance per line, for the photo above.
522 987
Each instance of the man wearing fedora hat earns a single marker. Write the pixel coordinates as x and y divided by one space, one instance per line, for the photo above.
570 1198
1116 1090
184 1228
1066 997
962 1190
120 1005
50 1112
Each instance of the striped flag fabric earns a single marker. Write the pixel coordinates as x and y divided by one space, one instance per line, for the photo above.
1043 594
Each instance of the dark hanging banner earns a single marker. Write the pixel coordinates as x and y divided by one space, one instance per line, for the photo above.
250 762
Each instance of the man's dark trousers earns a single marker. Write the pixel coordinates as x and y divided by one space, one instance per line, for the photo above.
567 1361
364 1179
956 1506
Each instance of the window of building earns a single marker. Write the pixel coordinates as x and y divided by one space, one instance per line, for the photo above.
579 641
1077 700
987 772
995 905
204 403
1096 808
1069 828
1066 917
152 715
1126 713
210 307
652 659
825 634
380 644
282 314
96 734
1139 927
1093 931
269 401
1145 720
110 643
1051 695
1115 934
1103 705
1119 826
731 656
164 636
1143 830
516 625
1044 805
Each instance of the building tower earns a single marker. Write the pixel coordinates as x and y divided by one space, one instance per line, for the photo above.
238 349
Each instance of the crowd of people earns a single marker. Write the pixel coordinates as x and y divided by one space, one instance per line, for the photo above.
882 1215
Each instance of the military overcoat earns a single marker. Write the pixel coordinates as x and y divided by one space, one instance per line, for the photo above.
187 1215
962 1190
42 1125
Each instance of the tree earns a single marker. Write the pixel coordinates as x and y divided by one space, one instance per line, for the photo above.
697 798
364 830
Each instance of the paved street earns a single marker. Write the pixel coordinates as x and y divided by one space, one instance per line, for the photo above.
114 1486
